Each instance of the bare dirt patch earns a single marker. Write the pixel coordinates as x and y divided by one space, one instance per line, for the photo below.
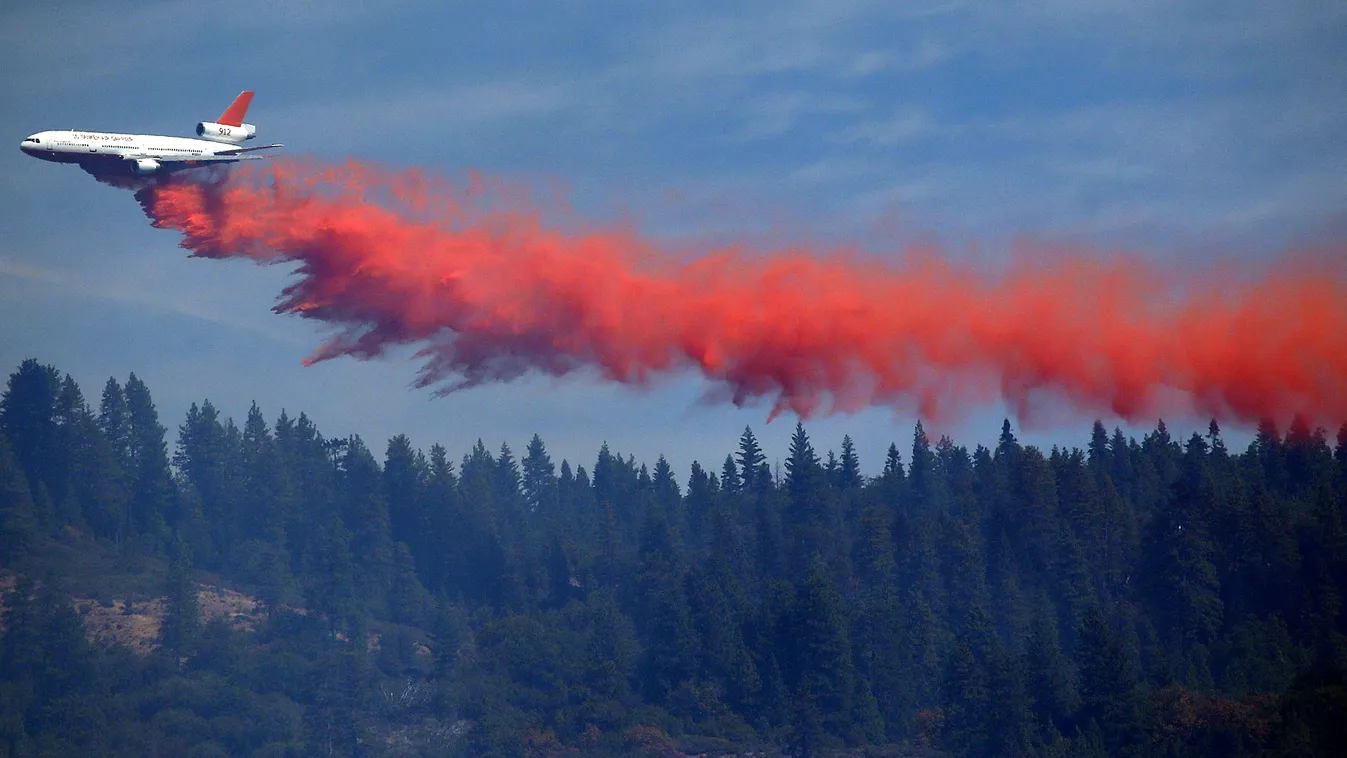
242 611
137 626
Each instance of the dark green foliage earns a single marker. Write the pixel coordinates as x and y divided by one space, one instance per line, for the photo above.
830 703
18 522
702 503
849 472
966 702
1131 598
1109 685
1184 584
28 420
405 477
1050 680
540 479
153 496
663 616
182 612
809 510
95 493
755 476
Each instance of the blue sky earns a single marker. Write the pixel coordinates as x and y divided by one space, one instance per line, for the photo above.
1198 133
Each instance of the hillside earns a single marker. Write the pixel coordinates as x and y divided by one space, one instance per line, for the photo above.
264 590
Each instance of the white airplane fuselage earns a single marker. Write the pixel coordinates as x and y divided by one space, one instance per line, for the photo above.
112 149
110 153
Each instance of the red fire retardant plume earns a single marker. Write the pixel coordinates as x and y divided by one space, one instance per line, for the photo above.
401 259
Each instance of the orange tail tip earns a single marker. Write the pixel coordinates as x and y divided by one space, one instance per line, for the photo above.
233 115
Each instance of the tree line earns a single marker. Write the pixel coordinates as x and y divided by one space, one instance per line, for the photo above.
1135 597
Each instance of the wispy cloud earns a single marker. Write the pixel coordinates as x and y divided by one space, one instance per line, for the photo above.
90 43
905 125
106 289
425 113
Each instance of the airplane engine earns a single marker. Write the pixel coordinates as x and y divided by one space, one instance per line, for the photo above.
144 166
222 133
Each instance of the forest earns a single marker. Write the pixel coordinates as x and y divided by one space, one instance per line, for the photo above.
1134 597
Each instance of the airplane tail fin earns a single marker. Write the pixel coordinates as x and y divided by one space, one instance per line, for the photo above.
233 115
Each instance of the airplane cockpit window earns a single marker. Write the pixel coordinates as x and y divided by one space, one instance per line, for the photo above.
35 141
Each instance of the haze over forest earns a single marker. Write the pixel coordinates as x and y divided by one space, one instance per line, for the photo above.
1139 597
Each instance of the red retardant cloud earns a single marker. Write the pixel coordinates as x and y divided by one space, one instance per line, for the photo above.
402 259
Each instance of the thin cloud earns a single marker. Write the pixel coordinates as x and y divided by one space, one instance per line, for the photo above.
183 305
904 126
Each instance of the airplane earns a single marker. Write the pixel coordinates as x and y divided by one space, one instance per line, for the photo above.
106 154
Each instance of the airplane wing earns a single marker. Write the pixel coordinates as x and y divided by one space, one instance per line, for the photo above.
231 155
108 164
195 159
237 150
220 156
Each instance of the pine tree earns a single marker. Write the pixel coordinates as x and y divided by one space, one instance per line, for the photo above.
18 522
1109 693
753 471
263 491
152 493
115 421
1010 721
1185 587
106 481
920 473
314 524
849 474
509 494
729 476
482 571
404 480
1052 686
767 539
723 657
702 501
50 670
965 702
182 613
95 482
803 470
961 565
664 618
330 577
832 471
208 464
878 630
1037 506
436 554
605 476
1122 468
821 671
608 662
364 514
335 723
666 494
809 520
1099 450
67 453
540 481
1007 446
28 421
561 580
